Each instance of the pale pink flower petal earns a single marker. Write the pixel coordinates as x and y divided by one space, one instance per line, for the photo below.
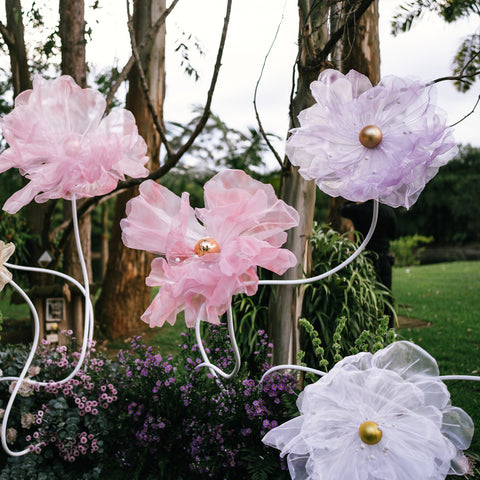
242 216
60 143
415 141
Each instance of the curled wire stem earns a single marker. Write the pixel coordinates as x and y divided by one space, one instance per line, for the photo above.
214 370
87 333
346 262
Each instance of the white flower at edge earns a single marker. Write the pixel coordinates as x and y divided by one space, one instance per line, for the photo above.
25 390
27 420
6 251
413 431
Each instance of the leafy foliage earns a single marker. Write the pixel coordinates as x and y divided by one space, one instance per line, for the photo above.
407 249
344 312
467 59
449 207
147 416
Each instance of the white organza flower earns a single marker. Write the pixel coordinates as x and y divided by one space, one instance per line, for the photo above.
362 142
376 417
6 251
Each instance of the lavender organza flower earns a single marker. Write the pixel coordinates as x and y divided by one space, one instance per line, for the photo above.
381 416
59 141
362 142
6 251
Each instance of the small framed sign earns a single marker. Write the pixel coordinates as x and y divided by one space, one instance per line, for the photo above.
55 308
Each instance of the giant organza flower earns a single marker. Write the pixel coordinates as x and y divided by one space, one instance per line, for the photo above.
362 142
6 251
242 226
375 417
59 141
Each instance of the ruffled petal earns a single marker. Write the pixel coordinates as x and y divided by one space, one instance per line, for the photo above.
58 140
415 142
422 435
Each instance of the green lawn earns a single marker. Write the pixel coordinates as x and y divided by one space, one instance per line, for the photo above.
446 295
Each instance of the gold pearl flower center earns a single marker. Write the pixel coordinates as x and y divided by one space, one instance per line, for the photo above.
370 136
370 433
206 245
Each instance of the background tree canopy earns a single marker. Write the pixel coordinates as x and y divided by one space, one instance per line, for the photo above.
449 207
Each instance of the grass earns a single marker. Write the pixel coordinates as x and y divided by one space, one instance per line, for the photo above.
446 295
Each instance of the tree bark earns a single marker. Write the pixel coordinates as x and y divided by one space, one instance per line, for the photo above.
73 63
16 45
38 216
360 51
286 304
124 295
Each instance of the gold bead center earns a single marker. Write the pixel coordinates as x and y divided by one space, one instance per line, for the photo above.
370 136
370 433
206 245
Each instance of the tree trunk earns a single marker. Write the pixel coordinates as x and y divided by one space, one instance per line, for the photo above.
285 308
16 45
73 63
124 295
360 51
37 214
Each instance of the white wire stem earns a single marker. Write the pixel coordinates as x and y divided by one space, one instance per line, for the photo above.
320 373
300 368
350 259
87 333
214 370
23 373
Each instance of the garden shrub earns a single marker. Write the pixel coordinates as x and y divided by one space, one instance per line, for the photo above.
345 312
145 416
63 425
407 249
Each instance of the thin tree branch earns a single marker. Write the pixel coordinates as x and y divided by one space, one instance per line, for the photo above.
170 160
337 35
459 78
206 111
468 114
7 35
157 121
257 115
131 61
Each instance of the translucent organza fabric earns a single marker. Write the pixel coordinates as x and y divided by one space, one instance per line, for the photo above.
6 251
242 215
399 389
59 141
415 140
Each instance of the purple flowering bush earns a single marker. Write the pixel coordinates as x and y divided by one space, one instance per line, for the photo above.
144 415
63 425
181 423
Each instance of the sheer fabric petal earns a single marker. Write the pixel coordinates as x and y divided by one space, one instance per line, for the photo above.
242 215
6 251
398 388
415 139
59 141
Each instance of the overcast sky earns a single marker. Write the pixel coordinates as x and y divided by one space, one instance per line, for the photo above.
426 51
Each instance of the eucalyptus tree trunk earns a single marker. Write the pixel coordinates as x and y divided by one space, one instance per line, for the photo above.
73 63
286 304
124 295
360 51
37 214
15 40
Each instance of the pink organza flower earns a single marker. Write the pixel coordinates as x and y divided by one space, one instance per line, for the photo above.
243 226
59 141
362 142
